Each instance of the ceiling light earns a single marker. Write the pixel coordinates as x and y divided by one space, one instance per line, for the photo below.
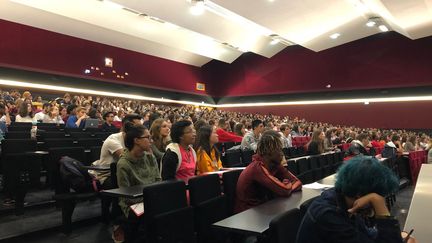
113 5
370 23
197 7
366 102
87 71
335 36
383 28
328 86
274 42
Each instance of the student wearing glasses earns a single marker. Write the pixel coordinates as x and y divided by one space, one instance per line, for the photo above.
180 158
136 166
108 126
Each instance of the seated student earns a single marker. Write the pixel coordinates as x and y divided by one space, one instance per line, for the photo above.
4 114
285 136
411 144
375 143
316 144
250 140
25 113
328 144
77 120
53 116
208 157
360 146
41 115
111 150
392 148
136 166
225 136
179 160
265 177
239 129
160 133
108 126
340 214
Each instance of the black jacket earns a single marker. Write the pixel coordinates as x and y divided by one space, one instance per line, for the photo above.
327 221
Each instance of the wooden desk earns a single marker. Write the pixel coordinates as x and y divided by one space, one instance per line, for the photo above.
419 214
256 220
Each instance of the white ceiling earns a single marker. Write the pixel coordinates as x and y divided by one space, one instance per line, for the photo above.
226 29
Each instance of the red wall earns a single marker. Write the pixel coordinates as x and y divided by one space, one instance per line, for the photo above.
384 60
381 115
30 48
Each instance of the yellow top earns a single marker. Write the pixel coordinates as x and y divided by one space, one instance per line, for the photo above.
205 163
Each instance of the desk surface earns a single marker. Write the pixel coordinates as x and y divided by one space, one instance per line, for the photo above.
127 192
256 220
419 214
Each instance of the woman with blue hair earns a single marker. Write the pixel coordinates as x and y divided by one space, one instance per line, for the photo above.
355 209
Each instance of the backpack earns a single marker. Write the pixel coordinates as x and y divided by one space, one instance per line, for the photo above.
74 175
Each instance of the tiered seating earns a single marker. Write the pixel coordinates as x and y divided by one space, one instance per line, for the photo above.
416 159
23 170
312 168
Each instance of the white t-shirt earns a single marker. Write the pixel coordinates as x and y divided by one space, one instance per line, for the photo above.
3 118
18 118
39 116
113 143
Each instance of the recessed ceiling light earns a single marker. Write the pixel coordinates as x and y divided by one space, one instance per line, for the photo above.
366 103
274 42
370 23
335 36
328 86
383 28
87 71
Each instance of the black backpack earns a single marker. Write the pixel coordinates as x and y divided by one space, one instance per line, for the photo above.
74 175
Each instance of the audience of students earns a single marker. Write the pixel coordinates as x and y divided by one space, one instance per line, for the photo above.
77 120
136 166
251 138
108 124
224 135
179 160
25 113
160 133
316 144
208 156
52 116
286 138
265 178
361 146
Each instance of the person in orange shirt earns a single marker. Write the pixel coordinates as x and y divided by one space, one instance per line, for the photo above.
208 157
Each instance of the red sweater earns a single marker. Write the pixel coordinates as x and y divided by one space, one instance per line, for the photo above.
256 183
225 136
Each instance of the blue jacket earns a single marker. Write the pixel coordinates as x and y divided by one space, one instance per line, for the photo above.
71 122
327 220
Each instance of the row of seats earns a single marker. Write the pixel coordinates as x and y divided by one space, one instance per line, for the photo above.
312 168
300 141
416 159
